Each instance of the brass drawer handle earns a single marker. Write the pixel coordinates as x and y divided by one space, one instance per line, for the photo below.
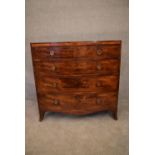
55 101
52 53
53 68
54 84
99 67
99 52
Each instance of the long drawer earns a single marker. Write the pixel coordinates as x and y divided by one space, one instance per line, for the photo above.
91 51
79 101
73 67
67 84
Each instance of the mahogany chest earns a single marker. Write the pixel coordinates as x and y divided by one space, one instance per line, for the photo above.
77 77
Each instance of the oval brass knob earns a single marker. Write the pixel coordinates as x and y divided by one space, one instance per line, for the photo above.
52 53
98 100
99 52
56 102
99 67
54 84
53 68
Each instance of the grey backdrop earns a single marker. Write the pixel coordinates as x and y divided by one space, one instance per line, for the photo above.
76 20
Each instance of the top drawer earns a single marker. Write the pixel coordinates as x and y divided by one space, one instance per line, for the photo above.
89 51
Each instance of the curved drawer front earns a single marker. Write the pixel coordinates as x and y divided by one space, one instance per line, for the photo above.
98 51
78 101
74 84
72 67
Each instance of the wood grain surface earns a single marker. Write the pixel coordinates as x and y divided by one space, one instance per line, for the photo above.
77 77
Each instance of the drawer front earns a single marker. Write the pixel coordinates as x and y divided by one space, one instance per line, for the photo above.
75 84
78 101
108 52
72 67
99 51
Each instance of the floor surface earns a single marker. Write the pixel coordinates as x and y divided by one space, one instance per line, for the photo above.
59 134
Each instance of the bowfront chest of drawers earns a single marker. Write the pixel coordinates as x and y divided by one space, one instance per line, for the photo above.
77 77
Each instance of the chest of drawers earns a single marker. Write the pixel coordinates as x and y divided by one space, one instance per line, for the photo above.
77 77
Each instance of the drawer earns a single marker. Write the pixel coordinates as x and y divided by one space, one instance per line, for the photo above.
72 67
78 101
108 52
79 83
99 51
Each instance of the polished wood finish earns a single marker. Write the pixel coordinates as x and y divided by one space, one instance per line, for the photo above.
76 67
102 51
77 77
49 84
78 103
76 43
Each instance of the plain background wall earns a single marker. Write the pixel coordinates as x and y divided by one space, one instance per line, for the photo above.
76 20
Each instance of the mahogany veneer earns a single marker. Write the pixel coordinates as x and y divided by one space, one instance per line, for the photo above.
77 77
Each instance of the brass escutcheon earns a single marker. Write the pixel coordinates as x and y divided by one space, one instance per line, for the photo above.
98 83
56 102
53 68
98 100
98 66
54 84
52 53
